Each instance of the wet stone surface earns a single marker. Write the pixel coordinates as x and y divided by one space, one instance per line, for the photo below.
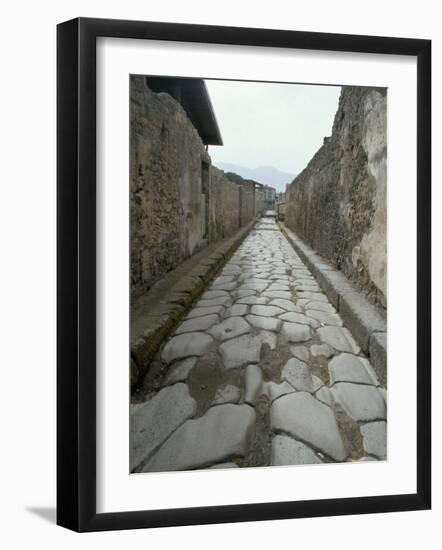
261 372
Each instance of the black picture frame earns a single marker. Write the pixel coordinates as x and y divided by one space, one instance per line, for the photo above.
76 273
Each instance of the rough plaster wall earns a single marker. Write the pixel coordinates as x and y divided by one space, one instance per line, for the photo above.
166 154
338 202
374 244
247 202
259 201
224 204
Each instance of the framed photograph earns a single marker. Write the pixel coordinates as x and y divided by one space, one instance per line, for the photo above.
243 274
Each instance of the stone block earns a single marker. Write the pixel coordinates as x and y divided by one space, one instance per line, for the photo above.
361 317
223 433
287 451
188 284
333 283
307 419
378 355
152 422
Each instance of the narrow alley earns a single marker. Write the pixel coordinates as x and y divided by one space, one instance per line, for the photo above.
261 372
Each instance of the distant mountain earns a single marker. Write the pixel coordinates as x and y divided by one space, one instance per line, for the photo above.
269 175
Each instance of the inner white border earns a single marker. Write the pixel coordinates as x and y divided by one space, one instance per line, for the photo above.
116 489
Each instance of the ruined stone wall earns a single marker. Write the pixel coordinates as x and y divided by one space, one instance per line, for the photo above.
246 202
246 196
259 200
166 154
337 204
224 205
178 201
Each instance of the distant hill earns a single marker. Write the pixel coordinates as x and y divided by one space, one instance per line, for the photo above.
236 178
269 175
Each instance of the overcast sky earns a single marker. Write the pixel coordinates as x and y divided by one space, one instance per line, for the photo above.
281 125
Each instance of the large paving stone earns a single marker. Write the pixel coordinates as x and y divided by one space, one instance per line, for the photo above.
256 284
383 392
300 272
304 280
338 338
152 422
265 275
274 390
316 296
288 305
281 280
240 351
236 310
362 403
211 294
224 286
348 368
186 345
307 288
287 451
221 301
304 417
223 433
283 294
223 279
319 306
197 324
204 311
325 395
229 328
322 350
180 371
275 277
227 393
295 332
300 352
298 374
375 439
243 293
248 275
324 317
293 317
266 311
231 269
278 286
253 300
371 372
266 323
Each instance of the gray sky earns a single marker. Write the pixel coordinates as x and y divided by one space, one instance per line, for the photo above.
282 125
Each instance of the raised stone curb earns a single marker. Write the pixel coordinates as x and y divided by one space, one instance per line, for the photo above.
156 314
362 318
333 283
378 355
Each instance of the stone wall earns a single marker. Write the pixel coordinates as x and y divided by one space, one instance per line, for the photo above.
259 200
224 205
337 204
246 202
178 201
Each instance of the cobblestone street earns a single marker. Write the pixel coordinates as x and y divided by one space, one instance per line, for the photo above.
261 372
